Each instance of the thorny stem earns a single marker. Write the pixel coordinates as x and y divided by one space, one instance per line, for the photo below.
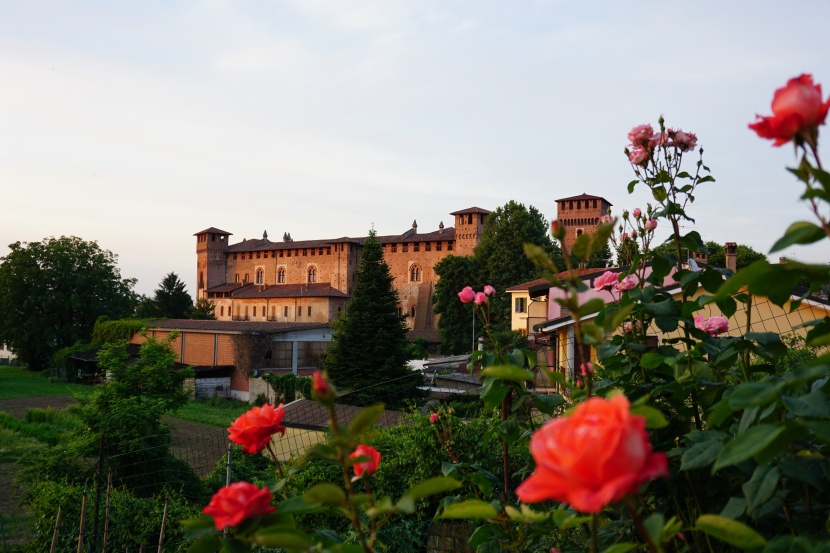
276 460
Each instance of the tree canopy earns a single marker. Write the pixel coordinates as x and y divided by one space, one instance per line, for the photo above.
501 258
53 291
170 300
456 321
369 344
745 255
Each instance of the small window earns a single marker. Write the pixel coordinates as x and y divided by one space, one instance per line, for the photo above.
438 246
399 311
305 252
258 254
412 312
201 279
309 311
289 253
406 247
273 254
247 278
255 311
449 246
579 231
521 305
394 248
285 311
259 276
236 277
415 274
312 275
299 310
328 251
470 219
221 310
281 253
281 276
313 251
417 247
234 255
428 246
250 255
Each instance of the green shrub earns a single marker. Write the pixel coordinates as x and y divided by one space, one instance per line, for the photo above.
256 469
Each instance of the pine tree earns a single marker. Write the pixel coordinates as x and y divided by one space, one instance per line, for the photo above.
171 299
369 345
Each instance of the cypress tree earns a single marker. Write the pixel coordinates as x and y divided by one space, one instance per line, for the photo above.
369 344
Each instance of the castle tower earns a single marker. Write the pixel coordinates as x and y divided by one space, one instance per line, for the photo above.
211 244
469 224
580 214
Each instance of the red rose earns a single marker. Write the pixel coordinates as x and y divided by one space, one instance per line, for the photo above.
797 111
253 430
369 466
237 502
594 457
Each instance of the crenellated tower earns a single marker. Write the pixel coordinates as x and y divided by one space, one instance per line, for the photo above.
211 244
469 224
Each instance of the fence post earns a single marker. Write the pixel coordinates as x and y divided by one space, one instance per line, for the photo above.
163 522
55 533
81 527
107 512
226 531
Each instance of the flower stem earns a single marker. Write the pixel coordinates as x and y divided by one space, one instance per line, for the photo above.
638 523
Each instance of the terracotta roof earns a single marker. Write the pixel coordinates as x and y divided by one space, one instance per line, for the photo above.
258 244
584 196
527 285
315 290
431 336
213 230
232 326
227 287
303 413
471 210
435 236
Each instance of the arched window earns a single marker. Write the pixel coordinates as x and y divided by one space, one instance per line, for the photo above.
312 275
415 274
259 276
201 279
412 311
281 276
579 232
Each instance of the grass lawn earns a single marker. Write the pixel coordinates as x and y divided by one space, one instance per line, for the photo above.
217 411
16 383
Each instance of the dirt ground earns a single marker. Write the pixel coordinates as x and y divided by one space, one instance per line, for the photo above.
17 407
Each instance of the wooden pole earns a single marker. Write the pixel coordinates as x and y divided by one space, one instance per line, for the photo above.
107 512
163 522
81 532
55 533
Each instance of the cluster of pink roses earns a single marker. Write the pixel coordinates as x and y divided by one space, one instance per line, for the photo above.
608 279
713 325
468 295
643 139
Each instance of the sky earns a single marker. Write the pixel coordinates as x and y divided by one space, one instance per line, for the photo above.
137 124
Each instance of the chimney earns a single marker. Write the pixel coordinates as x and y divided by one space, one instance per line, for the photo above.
701 257
731 251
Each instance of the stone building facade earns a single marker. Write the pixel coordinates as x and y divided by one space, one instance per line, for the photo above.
580 214
309 281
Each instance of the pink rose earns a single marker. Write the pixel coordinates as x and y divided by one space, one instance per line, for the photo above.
467 295
480 298
586 368
797 111
718 325
637 212
433 418
701 323
685 141
605 281
593 457
624 237
640 135
628 282
489 290
651 224
638 155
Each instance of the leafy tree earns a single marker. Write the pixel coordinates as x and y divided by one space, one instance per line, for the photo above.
456 319
369 344
599 259
52 292
204 310
171 300
501 258
745 255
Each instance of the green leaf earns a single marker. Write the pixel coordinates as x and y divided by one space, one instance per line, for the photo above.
652 360
759 489
471 509
582 246
590 307
287 538
730 531
813 405
620 548
754 393
198 527
801 232
325 493
735 507
365 419
547 403
748 445
508 372
700 455
492 392
654 418
432 486
206 545
654 526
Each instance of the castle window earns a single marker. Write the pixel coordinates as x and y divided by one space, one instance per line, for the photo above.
247 278
289 253
595 204
299 310
313 251
328 251
570 204
579 232
255 311
258 254
394 248
412 312
234 255
481 218
470 219
406 247
281 253
449 246
428 246
250 255
201 279
273 254
305 252
312 275
285 311
415 274
438 246
417 247
222 311
309 311
281 276
259 276
321 251
236 277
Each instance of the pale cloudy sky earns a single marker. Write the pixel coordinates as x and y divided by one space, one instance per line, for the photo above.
137 124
